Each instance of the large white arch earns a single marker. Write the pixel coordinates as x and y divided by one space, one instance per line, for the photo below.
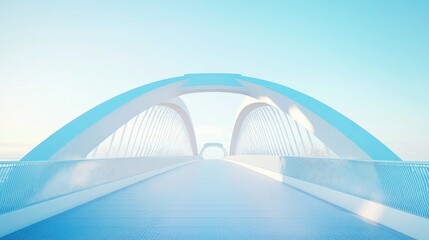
339 133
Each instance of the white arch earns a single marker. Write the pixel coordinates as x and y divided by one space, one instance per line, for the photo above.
213 145
239 122
339 133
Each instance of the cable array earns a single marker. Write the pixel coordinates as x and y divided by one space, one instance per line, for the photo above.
266 130
158 131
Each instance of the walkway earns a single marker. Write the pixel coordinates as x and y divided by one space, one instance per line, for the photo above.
210 199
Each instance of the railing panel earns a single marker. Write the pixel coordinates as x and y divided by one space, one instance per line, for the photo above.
23 184
401 185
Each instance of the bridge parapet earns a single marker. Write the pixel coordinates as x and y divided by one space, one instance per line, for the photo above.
24 184
393 193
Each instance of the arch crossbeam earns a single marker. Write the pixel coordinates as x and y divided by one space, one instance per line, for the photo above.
213 145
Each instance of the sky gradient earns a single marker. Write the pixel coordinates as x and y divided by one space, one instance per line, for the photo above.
366 59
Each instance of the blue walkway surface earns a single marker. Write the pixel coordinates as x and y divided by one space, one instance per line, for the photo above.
210 199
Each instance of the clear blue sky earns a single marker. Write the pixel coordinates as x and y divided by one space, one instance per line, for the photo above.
367 59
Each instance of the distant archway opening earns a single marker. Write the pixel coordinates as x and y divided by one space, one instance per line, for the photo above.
213 151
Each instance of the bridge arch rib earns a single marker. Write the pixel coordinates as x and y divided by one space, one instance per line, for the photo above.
339 133
263 129
164 129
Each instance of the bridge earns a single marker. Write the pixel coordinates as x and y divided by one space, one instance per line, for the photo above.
130 168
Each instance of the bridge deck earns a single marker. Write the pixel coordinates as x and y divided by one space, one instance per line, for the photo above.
209 199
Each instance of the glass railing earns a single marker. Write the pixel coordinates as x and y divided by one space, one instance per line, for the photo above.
24 183
402 185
